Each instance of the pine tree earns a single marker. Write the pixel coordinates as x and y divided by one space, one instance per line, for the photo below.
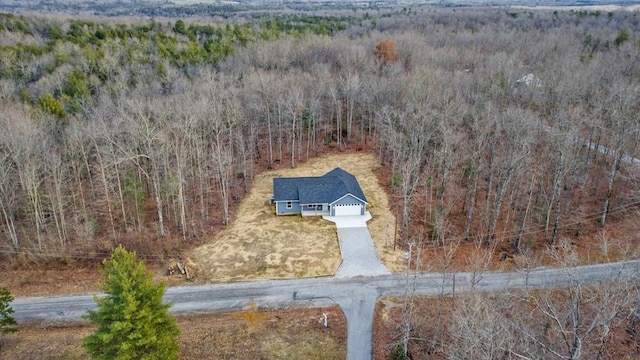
132 322
7 322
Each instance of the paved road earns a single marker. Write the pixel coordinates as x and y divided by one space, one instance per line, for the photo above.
356 296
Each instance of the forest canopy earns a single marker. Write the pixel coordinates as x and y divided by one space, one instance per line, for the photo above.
147 132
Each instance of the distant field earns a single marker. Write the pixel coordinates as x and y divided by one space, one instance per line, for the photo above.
634 7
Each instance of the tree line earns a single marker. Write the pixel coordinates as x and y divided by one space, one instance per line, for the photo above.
147 133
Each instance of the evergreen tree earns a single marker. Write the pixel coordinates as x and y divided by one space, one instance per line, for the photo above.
7 322
132 321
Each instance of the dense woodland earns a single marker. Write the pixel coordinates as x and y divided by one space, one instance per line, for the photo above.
508 129
148 132
580 321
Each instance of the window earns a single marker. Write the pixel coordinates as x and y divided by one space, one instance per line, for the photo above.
289 204
319 207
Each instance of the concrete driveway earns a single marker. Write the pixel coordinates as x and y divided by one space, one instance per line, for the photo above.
359 257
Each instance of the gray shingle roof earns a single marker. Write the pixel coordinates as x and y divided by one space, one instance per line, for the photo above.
318 189
349 181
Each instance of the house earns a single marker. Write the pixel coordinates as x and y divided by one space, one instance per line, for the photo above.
530 80
336 193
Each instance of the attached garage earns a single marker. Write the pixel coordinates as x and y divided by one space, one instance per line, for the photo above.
336 193
347 209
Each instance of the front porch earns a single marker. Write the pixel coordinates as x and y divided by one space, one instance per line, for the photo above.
314 209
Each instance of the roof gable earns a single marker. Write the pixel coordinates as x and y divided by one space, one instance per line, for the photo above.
350 196
350 182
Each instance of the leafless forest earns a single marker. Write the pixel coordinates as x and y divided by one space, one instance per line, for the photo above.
512 130
577 322
148 132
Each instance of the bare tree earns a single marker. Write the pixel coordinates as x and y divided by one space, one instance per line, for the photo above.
574 322
56 184
477 331
146 148
223 114
515 147
8 200
27 144
350 86
620 121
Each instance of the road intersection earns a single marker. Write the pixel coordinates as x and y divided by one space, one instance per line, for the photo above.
359 282
357 296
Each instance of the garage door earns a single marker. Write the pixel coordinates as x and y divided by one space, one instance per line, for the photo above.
346 210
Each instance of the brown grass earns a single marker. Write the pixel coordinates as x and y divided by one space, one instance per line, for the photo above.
261 245
285 334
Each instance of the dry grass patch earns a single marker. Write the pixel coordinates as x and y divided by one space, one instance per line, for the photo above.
296 333
261 245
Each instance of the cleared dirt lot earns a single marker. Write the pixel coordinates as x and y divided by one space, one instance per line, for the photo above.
261 245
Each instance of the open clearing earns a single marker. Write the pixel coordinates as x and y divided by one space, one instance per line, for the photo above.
261 245
296 333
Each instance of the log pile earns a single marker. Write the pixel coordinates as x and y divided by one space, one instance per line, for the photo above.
182 269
